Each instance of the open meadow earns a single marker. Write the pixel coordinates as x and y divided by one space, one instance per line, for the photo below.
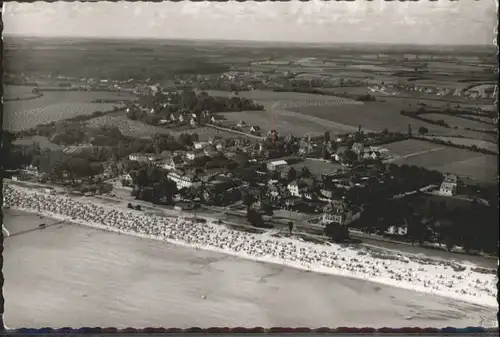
18 92
481 144
318 166
44 142
297 125
55 106
460 122
464 163
300 113
138 129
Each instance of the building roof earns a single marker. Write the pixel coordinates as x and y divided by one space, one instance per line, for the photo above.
278 162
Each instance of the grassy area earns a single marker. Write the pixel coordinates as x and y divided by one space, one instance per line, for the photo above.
469 142
457 121
296 125
444 159
12 92
54 106
318 167
140 129
42 141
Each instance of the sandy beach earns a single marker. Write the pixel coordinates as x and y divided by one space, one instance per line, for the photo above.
439 279
118 280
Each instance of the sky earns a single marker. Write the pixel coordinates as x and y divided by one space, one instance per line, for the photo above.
461 22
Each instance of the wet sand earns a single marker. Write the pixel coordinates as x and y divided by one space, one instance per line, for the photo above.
117 280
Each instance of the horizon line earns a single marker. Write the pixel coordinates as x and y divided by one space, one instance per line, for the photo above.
153 38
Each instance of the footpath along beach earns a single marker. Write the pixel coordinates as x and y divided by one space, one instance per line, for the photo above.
458 281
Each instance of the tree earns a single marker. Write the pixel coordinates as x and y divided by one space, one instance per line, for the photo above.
350 156
255 218
290 227
327 136
248 199
423 130
305 173
324 153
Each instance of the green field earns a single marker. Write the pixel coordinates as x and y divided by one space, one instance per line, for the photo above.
42 141
458 121
140 129
445 159
299 113
13 92
469 142
55 106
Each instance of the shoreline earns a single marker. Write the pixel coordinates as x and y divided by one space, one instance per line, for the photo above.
306 264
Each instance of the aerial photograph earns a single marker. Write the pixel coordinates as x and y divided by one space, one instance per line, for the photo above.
250 164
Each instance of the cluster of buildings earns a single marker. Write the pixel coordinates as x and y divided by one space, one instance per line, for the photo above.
478 92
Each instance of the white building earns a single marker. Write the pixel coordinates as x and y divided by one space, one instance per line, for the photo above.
449 186
200 145
142 157
183 181
193 155
274 165
338 212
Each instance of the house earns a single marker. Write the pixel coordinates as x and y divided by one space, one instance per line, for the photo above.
192 155
298 187
358 148
172 163
327 193
337 157
210 151
184 180
254 129
126 180
220 145
337 211
274 192
305 146
20 177
193 122
138 157
200 145
277 164
241 124
287 172
31 169
371 155
449 185
397 230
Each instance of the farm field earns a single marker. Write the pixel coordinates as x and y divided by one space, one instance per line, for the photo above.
42 141
318 167
263 96
445 159
54 106
301 113
458 121
11 92
139 129
483 168
378 116
296 125
469 142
